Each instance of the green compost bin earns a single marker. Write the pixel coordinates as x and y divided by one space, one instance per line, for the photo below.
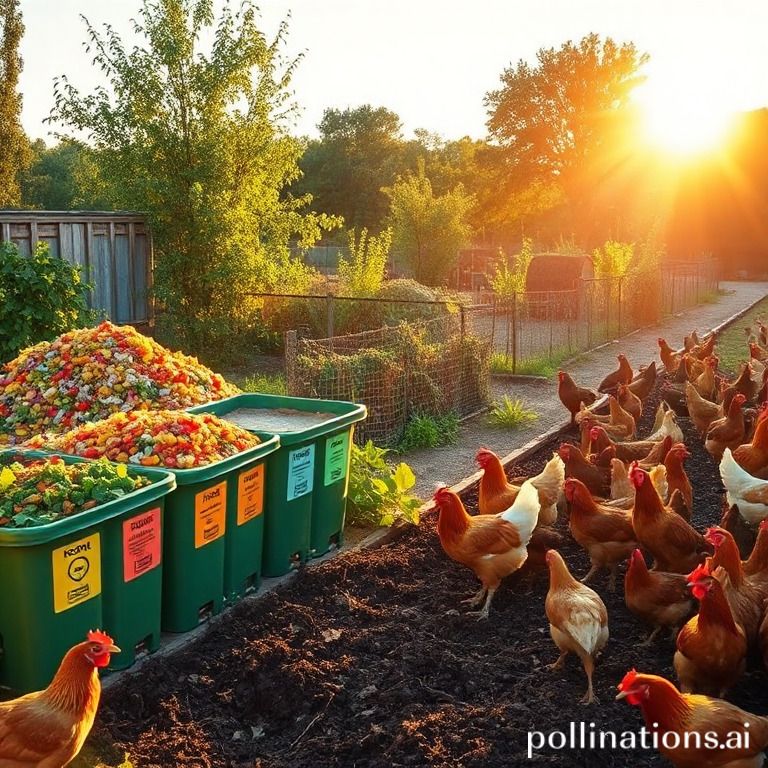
62 579
205 556
307 477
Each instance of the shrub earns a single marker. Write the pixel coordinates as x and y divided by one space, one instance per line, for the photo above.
378 493
362 272
613 258
41 296
509 278
426 431
265 384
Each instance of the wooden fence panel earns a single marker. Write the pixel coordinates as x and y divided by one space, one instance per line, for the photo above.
114 250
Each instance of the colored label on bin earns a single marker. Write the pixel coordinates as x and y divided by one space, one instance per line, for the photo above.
76 572
210 514
141 544
336 453
250 494
301 470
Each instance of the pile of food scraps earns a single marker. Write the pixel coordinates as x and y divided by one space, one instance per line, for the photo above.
40 491
171 439
89 374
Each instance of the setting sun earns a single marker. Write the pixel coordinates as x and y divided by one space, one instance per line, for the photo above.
682 121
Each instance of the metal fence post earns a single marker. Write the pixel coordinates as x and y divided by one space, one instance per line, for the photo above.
514 333
493 323
329 315
621 283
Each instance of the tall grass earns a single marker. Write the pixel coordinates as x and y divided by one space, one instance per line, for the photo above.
510 414
732 346
543 364
265 384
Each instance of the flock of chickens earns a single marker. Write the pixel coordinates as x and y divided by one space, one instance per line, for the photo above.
626 499
629 499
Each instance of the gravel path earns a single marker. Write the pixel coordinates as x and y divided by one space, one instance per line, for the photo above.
452 463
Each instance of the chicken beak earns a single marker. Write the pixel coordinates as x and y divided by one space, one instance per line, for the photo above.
621 695
113 648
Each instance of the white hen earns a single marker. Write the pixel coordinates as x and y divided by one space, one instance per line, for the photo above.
750 493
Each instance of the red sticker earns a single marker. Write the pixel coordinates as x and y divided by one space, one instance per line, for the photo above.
141 544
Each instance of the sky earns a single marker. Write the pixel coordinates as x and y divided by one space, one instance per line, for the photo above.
432 61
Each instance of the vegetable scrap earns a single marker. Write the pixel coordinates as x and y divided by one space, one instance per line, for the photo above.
41 491
89 374
172 439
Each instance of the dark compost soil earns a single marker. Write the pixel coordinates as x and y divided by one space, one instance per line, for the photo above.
368 660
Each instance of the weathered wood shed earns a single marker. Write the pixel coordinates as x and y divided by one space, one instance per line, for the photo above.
113 248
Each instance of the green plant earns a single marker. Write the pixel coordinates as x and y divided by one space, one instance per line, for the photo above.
41 296
265 384
501 363
509 279
428 229
427 431
613 258
535 365
361 273
379 493
510 413
192 127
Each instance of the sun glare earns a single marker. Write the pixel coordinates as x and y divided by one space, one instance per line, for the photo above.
682 122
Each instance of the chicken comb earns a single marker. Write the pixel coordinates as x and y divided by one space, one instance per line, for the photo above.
764 524
636 472
699 573
628 680
97 636
715 536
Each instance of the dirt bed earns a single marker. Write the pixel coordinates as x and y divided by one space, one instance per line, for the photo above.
368 661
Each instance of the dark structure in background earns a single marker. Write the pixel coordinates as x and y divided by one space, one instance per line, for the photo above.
114 250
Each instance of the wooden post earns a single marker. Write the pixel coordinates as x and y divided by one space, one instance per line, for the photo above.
291 349
132 273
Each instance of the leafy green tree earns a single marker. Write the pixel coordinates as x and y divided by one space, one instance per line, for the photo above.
14 146
566 119
65 177
428 230
360 151
198 139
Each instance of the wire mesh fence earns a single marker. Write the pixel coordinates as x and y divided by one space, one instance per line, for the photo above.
407 357
426 367
533 330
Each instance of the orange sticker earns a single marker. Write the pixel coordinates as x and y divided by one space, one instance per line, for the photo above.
210 514
142 549
250 494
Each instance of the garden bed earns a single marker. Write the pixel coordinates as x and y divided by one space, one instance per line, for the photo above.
368 660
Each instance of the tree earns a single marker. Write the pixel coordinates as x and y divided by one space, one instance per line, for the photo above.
567 119
359 151
428 230
199 141
65 177
14 146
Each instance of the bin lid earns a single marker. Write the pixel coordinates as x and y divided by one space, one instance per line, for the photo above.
163 482
294 419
